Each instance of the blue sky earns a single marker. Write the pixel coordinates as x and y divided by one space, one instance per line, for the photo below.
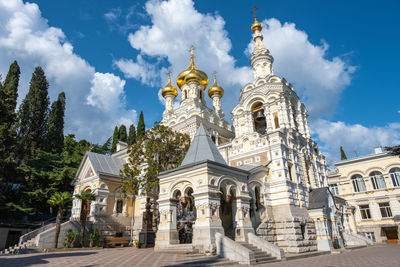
111 58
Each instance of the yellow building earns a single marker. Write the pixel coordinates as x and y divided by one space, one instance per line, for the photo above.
371 186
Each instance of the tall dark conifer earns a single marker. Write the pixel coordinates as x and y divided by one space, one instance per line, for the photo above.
123 136
55 125
132 135
342 154
115 140
141 127
32 115
8 103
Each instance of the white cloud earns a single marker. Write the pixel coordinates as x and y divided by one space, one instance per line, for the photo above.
356 139
318 80
175 26
107 92
25 36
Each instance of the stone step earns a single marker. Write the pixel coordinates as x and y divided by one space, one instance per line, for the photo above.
261 254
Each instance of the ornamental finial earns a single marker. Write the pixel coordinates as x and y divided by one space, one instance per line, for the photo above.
215 76
253 10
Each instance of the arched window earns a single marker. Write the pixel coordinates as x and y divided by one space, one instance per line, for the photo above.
119 205
184 94
358 183
276 120
257 196
377 180
213 138
395 176
290 173
201 94
259 120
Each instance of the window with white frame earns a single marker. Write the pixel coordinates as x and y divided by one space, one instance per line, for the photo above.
365 212
377 180
358 183
395 176
334 189
386 212
370 235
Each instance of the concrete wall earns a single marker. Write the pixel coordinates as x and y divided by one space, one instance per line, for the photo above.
4 234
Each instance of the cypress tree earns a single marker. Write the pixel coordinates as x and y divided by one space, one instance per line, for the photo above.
55 125
32 115
115 140
141 127
342 154
132 135
8 103
123 136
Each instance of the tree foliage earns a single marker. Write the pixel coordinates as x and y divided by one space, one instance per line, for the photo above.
141 127
61 201
32 115
123 136
8 102
55 125
393 150
342 154
132 135
158 150
115 139
86 197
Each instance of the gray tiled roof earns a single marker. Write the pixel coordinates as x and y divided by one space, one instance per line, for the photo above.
202 148
318 198
105 164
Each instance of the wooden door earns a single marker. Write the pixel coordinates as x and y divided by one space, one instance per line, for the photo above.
391 235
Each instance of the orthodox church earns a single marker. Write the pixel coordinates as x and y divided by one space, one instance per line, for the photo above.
260 182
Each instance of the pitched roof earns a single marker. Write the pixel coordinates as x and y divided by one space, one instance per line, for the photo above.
318 198
105 164
202 148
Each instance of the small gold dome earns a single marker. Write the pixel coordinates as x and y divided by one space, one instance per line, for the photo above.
256 26
215 89
169 89
192 73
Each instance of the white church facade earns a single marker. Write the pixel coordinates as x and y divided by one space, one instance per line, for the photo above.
260 182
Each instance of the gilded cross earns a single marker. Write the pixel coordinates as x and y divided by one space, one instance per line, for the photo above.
191 50
253 10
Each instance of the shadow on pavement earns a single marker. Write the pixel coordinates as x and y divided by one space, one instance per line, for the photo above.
38 259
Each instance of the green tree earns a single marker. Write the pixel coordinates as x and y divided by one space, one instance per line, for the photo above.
123 136
115 139
86 197
141 127
55 125
60 200
8 102
342 154
32 115
132 135
160 149
393 150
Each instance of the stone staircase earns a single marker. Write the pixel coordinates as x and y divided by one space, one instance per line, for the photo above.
260 256
23 248
110 226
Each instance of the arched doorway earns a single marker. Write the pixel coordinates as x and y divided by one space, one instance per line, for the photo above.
227 211
85 206
259 120
185 215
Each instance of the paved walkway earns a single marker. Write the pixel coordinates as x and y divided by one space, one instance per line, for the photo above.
379 255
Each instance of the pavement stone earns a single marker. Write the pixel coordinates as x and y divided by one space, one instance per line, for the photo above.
374 256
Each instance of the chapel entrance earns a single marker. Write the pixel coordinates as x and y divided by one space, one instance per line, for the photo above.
185 215
85 206
391 235
226 212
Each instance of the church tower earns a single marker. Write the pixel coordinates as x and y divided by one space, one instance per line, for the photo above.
193 108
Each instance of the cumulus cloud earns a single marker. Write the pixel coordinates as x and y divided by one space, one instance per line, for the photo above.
175 26
25 36
318 80
356 139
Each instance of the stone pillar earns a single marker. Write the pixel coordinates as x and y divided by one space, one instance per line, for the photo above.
167 233
125 207
243 226
207 222
169 102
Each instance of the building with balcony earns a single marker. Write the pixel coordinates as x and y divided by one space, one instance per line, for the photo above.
371 186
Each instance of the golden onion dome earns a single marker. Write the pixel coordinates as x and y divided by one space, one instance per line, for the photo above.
192 73
169 89
256 25
215 89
